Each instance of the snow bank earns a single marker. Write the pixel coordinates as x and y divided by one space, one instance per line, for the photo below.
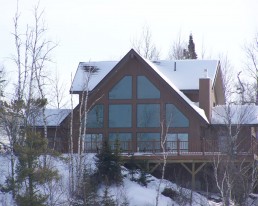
136 194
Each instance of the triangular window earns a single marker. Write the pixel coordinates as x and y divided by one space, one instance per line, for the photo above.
146 90
174 117
122 90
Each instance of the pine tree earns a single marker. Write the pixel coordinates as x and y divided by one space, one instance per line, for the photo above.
107 199
143 179
190 53
108 165
191 48
132 167
86 194
30 175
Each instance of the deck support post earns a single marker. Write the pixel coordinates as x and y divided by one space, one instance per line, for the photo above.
193 171
155 167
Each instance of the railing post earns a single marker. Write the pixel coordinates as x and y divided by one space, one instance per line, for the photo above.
178 147
203 146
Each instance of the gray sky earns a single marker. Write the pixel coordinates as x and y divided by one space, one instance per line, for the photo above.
92 30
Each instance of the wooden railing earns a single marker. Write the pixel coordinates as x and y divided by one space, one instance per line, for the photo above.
205 146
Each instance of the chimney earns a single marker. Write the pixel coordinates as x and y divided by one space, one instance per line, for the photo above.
205 73
205 96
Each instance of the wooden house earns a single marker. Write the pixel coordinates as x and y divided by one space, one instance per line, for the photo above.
141 102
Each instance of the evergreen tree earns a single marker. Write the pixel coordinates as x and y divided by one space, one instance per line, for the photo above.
132 167
30 175
108 165
143 179
87 195
191 48
107 199
190 53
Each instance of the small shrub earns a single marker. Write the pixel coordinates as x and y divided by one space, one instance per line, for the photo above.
168 192
143 179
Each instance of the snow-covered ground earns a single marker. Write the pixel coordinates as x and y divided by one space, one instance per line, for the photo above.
136 194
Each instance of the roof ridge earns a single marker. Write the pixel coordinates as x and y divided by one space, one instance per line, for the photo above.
196 108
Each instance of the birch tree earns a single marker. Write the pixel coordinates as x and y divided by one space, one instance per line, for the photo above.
77 164
235 178
163 140
20 113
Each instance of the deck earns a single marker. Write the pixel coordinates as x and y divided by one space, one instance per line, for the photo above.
181 151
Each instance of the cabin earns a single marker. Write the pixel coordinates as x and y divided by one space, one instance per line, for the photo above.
156 107
55 130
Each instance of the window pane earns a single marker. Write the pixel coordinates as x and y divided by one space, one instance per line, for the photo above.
120 115
92 142
172 143
148 142
183 138
55 141
145 89
125 140
148 115
95 117
122 90
175 118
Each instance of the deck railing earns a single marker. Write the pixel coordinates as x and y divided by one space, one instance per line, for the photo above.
205 146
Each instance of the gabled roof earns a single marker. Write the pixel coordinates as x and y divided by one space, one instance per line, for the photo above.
104 67
181 94
53 117
235 115
185 77
181 71
184 73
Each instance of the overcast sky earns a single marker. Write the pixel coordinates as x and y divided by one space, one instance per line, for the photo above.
92 30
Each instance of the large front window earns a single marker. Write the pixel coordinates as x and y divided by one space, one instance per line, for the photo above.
148 142
120 115
95 117
148 115
123 139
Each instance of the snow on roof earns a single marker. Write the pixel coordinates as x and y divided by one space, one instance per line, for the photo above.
169 81
185 74
185 77
53 116
80 78
235 114
179 74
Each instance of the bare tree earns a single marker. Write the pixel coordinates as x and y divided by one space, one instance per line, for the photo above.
144 45
163 141
251 51
227 72
2 82
58 92
77 164
234 176
19 113
177 49
71 159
